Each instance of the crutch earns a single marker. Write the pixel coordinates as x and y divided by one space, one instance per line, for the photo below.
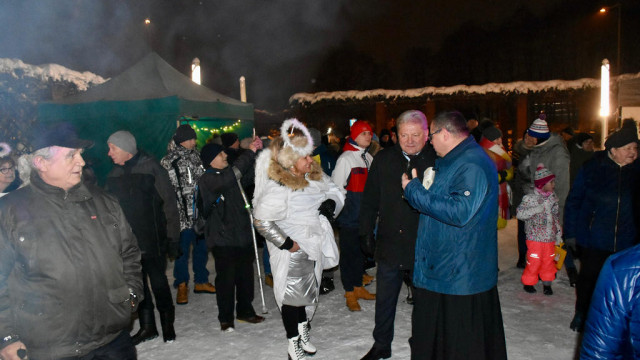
255 242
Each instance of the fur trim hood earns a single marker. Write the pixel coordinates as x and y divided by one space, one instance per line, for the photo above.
284 177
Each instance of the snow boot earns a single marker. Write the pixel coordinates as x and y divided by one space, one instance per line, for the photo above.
182 297
268 279
362 293
352 301
148 328
305 339
577 324
547 290
326 285
530 289
367 279
167 319
204 288
295 350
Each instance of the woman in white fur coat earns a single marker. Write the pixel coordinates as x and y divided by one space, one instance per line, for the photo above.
293 202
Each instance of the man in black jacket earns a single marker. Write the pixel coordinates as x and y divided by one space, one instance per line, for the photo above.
146 195
69 264
228 232
394 243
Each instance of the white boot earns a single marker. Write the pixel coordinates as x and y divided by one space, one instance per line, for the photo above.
305 339
295 350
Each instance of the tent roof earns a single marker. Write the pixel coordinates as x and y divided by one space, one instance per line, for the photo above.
150 78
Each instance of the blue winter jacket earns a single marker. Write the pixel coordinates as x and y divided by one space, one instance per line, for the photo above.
599 209
612 330
457 245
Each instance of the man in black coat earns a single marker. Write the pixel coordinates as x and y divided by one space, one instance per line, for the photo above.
146 195
395 240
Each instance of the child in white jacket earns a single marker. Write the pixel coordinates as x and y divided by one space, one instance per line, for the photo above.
539 211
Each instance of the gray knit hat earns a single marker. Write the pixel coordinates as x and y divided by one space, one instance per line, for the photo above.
124 140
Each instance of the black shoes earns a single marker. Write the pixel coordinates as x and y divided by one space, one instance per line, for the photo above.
227 327
377 353
530 289
577 324
521 264
166 321
326 285
148 328
547 290
255 319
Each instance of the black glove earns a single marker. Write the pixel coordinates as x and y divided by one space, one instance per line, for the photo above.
327 208
368 245
173 250
570 244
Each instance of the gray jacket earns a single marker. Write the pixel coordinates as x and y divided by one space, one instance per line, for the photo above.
67 263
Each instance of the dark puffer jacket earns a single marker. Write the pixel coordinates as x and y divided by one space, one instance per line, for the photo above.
599 209
383 199
228 223
146 195
612 330
67 261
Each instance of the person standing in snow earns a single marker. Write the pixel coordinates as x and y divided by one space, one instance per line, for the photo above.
456 312
350 175
600 219
293 203
397 222
491 141
539 211
144 191
70 273
183 164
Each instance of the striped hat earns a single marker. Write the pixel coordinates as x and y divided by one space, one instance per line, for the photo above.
539 129
542 176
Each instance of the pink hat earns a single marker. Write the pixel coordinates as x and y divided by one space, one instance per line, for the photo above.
542 176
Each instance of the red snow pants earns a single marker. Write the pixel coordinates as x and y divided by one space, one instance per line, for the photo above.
540 262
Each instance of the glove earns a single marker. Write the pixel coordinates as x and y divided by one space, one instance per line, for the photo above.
368 245
327 208
570 244
173 250
502 176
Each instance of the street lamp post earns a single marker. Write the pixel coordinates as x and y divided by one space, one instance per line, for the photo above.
604 99
618 57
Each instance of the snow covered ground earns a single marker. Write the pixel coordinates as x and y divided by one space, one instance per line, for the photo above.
536 326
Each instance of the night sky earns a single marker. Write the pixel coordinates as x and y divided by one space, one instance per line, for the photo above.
277 45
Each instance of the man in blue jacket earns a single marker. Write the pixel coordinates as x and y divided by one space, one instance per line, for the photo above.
456 311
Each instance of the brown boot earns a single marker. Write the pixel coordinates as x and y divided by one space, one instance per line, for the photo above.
204 288
182 297
366 279
268 279
352 301
362 293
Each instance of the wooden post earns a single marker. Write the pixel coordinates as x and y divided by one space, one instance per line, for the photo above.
430 109
381 116
521 120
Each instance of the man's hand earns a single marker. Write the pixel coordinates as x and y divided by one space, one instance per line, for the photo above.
173 250
10 352
256 144
368 245
405 178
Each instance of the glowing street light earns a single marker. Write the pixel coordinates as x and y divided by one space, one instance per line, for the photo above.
195 71
604 10
147 21
604 97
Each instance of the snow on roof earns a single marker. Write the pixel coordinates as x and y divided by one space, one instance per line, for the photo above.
500 88
54 72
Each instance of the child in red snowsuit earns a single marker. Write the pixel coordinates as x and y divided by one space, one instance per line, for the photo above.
539 211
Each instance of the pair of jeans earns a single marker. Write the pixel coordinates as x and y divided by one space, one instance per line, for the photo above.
200 257
351 258
389 279
153 273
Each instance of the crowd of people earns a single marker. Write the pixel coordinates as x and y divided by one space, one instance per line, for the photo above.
424 200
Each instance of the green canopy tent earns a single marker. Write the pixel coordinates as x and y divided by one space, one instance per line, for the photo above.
150 99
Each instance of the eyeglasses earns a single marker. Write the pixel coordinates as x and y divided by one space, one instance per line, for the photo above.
6 170
433 133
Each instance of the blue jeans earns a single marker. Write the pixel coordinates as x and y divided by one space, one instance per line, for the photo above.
265 260
200 257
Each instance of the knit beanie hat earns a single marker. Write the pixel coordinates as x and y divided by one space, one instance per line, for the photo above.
316 136
124 140
228 139
492 133
184 132
208 153
539 129
627 134
542 176
579 138
358 127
